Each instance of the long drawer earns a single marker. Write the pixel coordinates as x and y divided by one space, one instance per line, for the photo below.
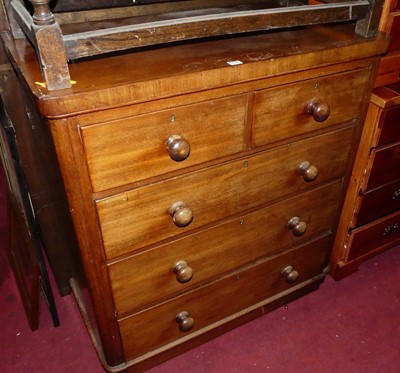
386 166
145 215
164 141
157 326
179 265
281 112
379 202
376 235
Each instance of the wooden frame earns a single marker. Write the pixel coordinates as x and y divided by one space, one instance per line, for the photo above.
67 34
25 244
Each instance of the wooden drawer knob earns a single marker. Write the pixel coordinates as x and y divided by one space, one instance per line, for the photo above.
184 320
318 109
290 274
178 148
309 171
298 227
183 272
181 215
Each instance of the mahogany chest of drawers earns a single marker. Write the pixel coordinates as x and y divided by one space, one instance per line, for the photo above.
204 180
370 221
389 68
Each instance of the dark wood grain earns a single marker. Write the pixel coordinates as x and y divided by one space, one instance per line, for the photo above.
379 202
220 301
76 5
369 25
183 64
98 40
375 236
213 129
281 112
242 184
385 167
96 37
215 251
388 127
394 30
43 178
374 189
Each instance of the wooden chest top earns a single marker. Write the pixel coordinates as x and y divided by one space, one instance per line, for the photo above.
164 72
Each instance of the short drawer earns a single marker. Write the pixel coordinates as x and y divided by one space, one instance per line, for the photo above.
177 266
381 233
394 30
378 203
164 141
155 327
386 166
282 112
389 126
145 215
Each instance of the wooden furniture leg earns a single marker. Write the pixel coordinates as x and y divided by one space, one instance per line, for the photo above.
368 27
49 46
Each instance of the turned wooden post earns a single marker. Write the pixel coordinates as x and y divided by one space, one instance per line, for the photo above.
368 27
42 15
50 46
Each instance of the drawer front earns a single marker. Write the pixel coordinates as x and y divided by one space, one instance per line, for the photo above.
200 132
385 168
389 126
394 22
373 236
142 216
282 112
378 203
211 252
155 327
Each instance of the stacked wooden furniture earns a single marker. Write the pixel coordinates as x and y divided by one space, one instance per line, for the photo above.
36 195
204 179
390 64
370 222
